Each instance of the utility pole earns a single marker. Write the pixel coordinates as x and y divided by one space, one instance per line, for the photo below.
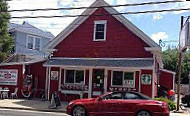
179 69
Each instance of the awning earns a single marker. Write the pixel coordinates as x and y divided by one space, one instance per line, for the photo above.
102 62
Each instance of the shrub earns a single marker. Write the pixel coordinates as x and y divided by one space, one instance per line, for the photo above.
171 104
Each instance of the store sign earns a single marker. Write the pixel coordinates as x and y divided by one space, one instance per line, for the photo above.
128 83
75 87
54 75
121 89
146 79
8 77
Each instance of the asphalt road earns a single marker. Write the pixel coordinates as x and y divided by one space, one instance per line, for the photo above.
12 112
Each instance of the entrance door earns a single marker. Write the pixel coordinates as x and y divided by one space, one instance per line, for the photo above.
97 82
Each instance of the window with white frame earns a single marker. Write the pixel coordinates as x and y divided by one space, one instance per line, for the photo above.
74 77
100 30
33 42
124 79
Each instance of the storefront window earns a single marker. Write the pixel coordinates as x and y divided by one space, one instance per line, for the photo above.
125 79
117 78
74 76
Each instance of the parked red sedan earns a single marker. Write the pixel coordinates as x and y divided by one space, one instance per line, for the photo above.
118 104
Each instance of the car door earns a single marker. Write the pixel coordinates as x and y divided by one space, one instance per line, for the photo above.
129 103
110 105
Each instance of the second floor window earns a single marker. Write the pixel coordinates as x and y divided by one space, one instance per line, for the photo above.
33 42
100 30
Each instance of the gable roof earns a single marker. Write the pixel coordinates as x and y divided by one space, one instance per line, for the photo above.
28 28
98 3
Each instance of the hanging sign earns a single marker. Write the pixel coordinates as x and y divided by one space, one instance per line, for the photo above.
54 75
146 79
8 76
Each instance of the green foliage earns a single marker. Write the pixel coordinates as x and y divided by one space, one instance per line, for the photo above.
6 42
171 104
170 61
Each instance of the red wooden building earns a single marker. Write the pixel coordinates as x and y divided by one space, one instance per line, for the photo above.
97 53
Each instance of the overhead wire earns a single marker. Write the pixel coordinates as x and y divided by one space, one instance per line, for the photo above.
74 8
82 15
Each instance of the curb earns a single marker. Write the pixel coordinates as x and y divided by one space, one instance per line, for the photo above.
30 109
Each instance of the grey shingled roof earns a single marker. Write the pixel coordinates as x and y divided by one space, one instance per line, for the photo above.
28 28
100 62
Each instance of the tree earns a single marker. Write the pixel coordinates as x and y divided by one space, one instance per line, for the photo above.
170 61
6 42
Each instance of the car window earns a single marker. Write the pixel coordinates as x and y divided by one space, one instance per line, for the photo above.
113 96
131 96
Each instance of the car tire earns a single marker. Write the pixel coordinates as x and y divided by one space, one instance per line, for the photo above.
79 111
143 113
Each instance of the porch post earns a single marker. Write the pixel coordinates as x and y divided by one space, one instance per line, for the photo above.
105 80
90 84
46 86
49 83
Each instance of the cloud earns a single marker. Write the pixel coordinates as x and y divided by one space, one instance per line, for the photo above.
160 35
157 16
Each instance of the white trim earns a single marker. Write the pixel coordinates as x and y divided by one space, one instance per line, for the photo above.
174 82
49 82
90 84
34 42
46 86
105 29
68 30
140 81
74 76
60 72
23 68
61 58
102 67
123 71
153 76
105 80
168 71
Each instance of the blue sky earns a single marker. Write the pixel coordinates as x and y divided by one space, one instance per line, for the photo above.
165 26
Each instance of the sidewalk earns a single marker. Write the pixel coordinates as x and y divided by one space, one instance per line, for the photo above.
34 104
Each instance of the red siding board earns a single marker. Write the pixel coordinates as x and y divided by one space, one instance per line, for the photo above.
120 41
166 79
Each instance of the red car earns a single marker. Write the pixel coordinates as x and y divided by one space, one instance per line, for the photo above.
118 104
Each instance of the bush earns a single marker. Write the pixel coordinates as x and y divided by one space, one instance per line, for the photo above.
171 104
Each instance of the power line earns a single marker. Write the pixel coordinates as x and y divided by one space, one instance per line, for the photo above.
107 14
74 8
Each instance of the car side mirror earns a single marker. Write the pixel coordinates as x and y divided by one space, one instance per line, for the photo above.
99 99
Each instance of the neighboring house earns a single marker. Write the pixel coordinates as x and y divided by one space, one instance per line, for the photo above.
96 54
29 40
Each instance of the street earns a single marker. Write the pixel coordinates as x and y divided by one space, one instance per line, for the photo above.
13 112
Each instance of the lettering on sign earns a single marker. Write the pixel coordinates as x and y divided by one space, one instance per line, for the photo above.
75 87
8 76
54 75
121 89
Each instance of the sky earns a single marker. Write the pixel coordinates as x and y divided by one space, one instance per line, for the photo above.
164 26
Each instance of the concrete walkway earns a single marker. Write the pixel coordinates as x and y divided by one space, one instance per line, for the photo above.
34 104
40 105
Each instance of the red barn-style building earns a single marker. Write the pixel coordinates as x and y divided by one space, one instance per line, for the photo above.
97 53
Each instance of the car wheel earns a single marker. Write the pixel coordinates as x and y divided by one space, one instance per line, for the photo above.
143 113
78 111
